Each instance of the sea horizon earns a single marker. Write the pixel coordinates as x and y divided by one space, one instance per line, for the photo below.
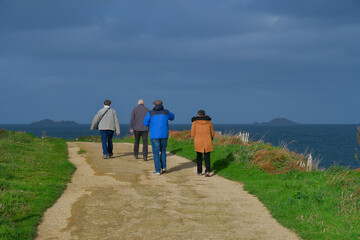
331 144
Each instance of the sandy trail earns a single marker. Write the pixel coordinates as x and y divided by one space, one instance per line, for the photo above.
120 198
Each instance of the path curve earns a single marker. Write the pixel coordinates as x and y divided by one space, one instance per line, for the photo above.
120 198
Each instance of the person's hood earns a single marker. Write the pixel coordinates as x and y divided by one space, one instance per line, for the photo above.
158 108
206 118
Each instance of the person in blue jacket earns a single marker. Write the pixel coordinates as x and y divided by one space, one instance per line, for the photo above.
157 120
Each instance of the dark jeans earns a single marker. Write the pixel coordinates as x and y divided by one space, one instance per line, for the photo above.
106 139
144 136
199 162
159 151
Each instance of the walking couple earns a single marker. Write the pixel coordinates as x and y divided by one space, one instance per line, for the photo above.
143 120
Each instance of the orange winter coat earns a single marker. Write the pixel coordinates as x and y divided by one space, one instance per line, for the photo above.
202 131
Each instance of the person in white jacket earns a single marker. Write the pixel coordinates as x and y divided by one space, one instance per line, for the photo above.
108 123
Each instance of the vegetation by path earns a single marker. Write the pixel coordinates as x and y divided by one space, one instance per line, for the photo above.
317 204
33 174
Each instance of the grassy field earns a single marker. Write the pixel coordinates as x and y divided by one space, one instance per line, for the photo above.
33 174
316 205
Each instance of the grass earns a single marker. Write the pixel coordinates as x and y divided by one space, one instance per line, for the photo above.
356 150
316 205
81 151
34 173
95 138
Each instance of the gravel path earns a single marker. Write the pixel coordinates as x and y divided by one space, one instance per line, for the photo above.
120 198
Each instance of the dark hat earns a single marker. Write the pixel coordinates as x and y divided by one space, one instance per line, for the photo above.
157 102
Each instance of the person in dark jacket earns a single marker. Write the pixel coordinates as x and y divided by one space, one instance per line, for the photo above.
202 131
157 120
137 127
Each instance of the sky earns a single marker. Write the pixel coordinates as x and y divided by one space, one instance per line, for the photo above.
239 60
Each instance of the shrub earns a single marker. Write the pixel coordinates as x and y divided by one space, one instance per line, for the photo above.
277 161
227 139
180 135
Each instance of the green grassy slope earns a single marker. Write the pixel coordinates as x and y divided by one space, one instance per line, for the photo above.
33 174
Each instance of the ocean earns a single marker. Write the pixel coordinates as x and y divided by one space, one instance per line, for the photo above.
331 144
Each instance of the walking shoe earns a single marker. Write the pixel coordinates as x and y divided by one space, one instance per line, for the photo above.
156 173
163 170
207 174
136 157
200 174
111 154
106 156
145 158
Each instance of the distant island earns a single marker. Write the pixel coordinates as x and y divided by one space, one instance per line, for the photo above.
277 121
51 122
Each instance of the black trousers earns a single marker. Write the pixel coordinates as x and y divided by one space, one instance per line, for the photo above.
144 136
199 162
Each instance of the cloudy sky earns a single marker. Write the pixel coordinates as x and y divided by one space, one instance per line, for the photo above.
240 60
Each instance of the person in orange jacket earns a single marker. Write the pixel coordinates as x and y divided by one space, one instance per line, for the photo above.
202 131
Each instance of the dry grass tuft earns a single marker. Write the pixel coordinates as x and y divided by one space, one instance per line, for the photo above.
129 136
277 161
180 135
226 139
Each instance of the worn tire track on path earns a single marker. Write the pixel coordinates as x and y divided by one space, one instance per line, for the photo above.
120 198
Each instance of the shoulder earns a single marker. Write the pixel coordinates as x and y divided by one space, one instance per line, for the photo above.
143 108
102 110
161 112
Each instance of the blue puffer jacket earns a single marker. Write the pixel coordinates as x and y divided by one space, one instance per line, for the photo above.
157 120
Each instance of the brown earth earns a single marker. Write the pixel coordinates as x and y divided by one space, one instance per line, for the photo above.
120 198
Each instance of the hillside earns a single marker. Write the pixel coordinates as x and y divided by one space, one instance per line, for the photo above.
278 121
51 122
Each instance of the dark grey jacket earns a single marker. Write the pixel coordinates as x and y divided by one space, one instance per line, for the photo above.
137 117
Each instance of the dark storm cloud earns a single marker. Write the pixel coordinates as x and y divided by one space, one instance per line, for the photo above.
284 55
42 14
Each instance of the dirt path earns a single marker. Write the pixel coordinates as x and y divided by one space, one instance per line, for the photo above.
120 198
